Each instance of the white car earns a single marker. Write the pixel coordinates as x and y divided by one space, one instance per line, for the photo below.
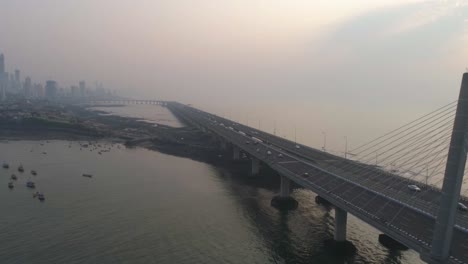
298 147
280 155
414 188
462 207
306 174
268 152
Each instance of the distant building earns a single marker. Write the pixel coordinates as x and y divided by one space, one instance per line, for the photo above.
27 87
82 88
17 81
38 90
75 91
51 89
2 63
3 77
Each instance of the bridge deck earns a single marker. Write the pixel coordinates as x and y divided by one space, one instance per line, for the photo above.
379 198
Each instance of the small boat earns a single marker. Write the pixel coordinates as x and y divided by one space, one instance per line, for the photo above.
30 184
87 175
33 172
13 177
5 165
20 168
35 194
40 196
10 185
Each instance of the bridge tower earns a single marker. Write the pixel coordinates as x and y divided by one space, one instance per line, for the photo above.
456 160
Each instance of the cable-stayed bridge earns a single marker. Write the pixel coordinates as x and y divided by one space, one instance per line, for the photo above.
406 183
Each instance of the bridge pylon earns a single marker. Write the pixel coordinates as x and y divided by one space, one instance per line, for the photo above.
453 178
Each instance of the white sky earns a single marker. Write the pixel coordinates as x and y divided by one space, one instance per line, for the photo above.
342 65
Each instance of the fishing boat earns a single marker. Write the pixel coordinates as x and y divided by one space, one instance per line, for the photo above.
10 185
40 196
30 184
5 165
20 168
13 177
33 172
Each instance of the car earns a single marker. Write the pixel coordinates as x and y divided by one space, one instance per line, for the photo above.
298 147
268 152
247 142
258 150
306 174
414 187
280 155
462 207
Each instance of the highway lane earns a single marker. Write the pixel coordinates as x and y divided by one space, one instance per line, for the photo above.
388 215
391 184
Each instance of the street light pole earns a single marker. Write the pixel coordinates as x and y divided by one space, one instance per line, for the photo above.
346 146
324 141
295 138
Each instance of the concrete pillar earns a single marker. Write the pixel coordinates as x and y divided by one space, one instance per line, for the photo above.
235 152
454 170
284 189
255 166
341 217
223 144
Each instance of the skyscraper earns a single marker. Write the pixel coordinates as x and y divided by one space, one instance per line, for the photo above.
17 81
51 89
82 88
2 63
3 81
27 87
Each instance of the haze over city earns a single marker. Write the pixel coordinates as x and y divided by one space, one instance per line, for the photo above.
250 59
242 131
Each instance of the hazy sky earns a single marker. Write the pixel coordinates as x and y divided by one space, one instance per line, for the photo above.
342 66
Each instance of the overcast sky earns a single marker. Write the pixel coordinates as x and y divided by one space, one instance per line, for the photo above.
328 61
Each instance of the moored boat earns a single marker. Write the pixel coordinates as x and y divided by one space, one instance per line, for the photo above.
13 177
10 185
5 165
40 196
87 175
33 172
20 168
30 184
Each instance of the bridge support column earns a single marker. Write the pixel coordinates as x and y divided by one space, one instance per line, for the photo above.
339 244
341 219
235 152
255 166
285 186
223 144
284 201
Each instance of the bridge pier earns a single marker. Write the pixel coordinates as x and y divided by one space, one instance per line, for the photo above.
341 219
339 244
235 152
255 166
223 144
284 201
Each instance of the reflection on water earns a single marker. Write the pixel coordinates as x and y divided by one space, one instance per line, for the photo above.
142 206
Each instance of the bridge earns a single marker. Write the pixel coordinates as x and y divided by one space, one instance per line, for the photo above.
422 217
125 102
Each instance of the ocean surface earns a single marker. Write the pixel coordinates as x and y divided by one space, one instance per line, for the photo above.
142 206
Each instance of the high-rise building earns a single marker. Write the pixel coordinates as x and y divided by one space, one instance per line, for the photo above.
75 91
27 87
2 63
82 88
51 89
17 80
2 77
